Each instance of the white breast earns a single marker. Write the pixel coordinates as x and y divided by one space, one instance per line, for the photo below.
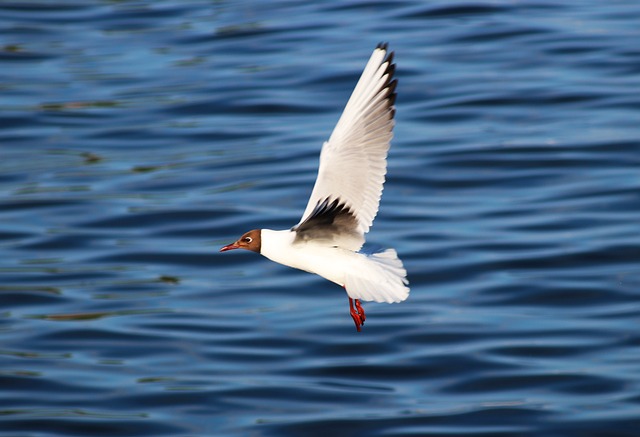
329 262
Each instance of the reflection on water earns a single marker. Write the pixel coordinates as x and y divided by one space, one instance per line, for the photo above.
137 137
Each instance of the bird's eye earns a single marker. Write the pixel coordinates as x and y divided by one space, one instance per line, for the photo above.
247 239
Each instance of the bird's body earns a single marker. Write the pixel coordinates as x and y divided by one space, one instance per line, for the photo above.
345 200
280 247
371 276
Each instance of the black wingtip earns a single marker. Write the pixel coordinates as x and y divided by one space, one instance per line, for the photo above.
392 82
392 92
392 86
391 70
389 58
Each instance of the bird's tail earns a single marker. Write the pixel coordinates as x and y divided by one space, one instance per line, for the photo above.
380 277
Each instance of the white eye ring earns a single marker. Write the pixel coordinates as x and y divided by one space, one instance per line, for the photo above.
247 239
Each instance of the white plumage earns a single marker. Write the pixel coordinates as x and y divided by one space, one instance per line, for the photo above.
353 162
345 199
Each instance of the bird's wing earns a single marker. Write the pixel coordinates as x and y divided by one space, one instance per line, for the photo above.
353 163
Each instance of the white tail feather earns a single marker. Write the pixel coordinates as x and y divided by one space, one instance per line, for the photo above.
381 277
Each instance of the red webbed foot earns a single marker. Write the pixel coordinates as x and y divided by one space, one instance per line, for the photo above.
357 313
360 310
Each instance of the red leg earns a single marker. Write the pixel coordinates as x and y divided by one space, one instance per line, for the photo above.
356 315
360 311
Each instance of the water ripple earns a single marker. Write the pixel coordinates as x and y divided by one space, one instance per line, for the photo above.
139 137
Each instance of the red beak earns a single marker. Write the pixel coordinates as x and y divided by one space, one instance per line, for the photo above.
229 247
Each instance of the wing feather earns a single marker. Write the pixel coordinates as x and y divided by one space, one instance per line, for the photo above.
353 163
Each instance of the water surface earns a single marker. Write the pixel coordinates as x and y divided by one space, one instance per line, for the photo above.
138 137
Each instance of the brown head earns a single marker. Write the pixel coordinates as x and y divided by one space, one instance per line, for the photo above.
249 241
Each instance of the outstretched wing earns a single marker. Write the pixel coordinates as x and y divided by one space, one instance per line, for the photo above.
353 163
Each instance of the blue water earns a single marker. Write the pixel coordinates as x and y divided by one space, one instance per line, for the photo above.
137 137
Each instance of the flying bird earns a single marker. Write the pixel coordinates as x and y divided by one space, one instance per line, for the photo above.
345 200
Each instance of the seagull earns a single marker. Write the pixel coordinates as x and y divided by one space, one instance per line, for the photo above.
345 200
